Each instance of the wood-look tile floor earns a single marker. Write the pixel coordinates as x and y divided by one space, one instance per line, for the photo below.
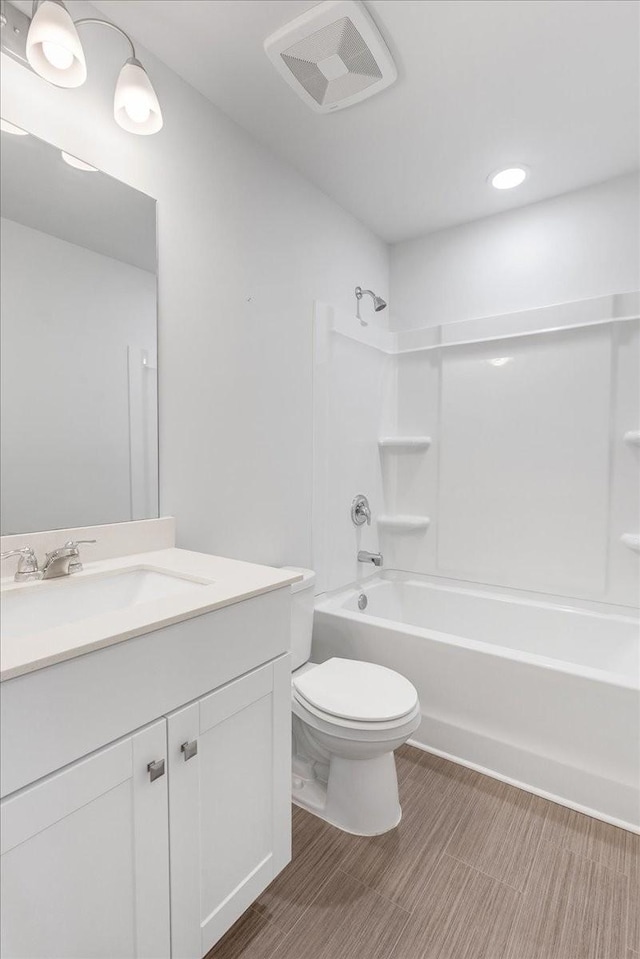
476 870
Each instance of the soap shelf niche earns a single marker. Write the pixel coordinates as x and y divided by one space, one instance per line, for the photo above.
632 437
404 443
403 523
631 540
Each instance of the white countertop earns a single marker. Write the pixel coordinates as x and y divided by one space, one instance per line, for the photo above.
225 581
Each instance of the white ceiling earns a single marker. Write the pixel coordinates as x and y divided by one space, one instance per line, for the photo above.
482 84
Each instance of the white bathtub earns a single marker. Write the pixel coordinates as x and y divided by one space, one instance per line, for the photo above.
543 694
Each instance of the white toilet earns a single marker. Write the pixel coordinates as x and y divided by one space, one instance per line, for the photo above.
348 718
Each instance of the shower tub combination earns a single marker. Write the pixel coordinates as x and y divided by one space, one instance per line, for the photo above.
542 694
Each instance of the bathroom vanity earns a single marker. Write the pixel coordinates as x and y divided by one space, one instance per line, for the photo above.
145 735
145 754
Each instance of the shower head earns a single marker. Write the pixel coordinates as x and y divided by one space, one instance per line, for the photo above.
378 302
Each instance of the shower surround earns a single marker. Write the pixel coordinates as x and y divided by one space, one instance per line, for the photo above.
500 457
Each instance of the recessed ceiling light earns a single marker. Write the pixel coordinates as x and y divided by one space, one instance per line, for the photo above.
78 164
507 179
7 127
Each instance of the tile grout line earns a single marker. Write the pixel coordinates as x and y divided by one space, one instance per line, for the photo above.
392 902
396 943
302 914
337 869
520 906
596 862
481 872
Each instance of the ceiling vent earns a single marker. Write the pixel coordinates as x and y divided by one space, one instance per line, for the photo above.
333 55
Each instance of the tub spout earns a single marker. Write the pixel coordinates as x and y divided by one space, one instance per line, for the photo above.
364 556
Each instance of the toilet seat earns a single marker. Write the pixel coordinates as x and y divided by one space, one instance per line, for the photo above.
355 694
350 730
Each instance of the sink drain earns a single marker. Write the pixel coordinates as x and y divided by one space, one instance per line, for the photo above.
362 601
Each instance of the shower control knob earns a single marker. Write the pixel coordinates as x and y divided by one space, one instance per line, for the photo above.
360 511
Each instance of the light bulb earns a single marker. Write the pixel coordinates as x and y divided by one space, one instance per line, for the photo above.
137 108
507 179
58 56
135 104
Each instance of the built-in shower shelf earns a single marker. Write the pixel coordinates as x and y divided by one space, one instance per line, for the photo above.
404 442
632 540
404 523
632 437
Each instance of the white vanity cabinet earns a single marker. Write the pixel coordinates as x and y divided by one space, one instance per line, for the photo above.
229 802
85 858
150 788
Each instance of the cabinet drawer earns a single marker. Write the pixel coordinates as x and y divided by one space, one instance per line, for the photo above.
56 715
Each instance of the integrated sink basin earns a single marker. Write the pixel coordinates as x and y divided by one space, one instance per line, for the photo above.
41 606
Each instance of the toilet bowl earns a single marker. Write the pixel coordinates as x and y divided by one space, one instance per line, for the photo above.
348 717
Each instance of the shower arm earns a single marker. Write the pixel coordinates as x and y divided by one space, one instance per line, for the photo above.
359 294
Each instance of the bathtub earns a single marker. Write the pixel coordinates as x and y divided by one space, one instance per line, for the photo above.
544 694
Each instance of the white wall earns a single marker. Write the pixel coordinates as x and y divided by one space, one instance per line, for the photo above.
579 245
68 318
245 247
354 404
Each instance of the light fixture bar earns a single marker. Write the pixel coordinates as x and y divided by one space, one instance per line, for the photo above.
13 32
107 23
136 105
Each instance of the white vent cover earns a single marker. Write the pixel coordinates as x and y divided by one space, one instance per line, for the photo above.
333 55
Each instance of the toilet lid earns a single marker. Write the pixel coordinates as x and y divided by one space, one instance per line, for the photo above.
350 689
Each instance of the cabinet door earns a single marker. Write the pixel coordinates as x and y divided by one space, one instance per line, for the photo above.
85 865
229 803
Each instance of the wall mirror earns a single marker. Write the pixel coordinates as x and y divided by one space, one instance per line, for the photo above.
79 343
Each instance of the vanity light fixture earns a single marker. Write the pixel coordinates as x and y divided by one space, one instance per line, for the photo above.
508 178
135 104
53 48
49 43
77 163
7 127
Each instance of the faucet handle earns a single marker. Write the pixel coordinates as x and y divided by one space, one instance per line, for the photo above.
76 566
27 564
25 552
360 510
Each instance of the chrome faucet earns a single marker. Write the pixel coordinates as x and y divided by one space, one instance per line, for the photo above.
59 562
64 560
27 564
364 556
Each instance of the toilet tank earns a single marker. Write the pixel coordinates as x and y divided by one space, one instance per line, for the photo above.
302 603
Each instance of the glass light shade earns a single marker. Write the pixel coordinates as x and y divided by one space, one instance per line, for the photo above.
135 104
53 46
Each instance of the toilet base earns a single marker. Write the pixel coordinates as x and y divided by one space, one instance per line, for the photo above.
359 796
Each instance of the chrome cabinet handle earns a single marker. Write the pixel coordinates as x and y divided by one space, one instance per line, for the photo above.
189 750
155 769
